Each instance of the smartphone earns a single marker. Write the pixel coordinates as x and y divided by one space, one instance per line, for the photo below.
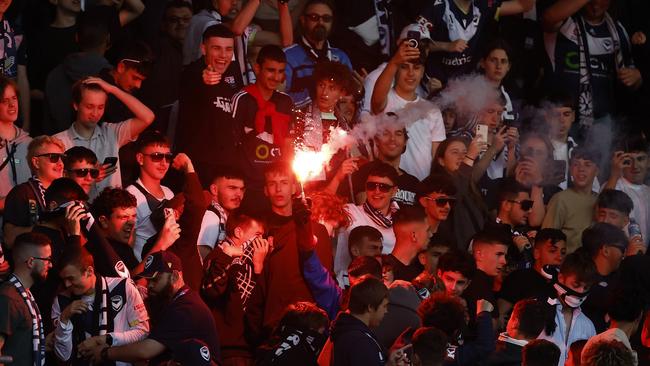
169 212
627 162
558 173
112 160
413 38
482 132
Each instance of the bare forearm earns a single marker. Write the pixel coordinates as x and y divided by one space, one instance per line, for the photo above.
560 11
286 25
611 182
131 9
539 210
139 110
244 17
133 352
382 87
482 165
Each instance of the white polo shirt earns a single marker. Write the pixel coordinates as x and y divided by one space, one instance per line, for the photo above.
107 139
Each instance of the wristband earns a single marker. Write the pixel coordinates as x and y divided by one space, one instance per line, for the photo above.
467 157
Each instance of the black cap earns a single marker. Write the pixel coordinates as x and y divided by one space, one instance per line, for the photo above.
160 262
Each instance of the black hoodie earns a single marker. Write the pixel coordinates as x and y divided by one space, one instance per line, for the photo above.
354 343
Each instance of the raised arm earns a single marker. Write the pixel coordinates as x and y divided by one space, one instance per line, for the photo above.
143 115
245 16
131 9
385 80
513 7
559 12
286 25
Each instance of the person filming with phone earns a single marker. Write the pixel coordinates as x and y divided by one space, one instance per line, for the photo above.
629 169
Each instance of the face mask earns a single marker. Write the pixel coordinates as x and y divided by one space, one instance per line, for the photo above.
572 298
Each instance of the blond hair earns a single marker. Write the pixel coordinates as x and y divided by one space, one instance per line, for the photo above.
39 141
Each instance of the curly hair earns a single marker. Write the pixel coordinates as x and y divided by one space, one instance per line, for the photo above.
444 312
329 207
111 198
607 353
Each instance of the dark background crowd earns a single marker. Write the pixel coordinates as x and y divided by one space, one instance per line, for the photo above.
315 182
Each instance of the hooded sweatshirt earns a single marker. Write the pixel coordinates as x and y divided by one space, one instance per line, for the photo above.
15 172
354 343
403 302
58 87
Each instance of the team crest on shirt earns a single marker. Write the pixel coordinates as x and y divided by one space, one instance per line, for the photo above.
117 303
205 353
607 44
230 80
148 261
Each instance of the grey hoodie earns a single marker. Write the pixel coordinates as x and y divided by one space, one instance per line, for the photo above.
403 302
58 88
7 178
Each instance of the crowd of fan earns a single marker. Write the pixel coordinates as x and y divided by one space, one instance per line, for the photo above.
486 202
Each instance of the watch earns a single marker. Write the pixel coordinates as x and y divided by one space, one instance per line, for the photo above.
109 339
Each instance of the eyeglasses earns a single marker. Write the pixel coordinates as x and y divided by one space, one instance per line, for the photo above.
525 204
315 18
44 259
158 157
82 173
178 20
442 201
383 187
54 157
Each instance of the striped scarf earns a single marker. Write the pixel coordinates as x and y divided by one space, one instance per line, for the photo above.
38 336
378 218
103 305
585 96
244 277
99 314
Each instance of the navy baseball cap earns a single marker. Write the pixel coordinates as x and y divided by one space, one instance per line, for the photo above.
160 262
192 352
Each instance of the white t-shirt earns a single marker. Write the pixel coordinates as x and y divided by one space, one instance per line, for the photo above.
640 195
210 229
144 227
358 217
369 85
107 139
417 158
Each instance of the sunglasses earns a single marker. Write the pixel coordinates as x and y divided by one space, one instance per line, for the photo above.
44 259
525 204
82 173
142 66
315 18
383 187
442 201
54 157
158 157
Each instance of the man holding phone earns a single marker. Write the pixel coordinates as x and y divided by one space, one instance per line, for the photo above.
397 87
629 169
